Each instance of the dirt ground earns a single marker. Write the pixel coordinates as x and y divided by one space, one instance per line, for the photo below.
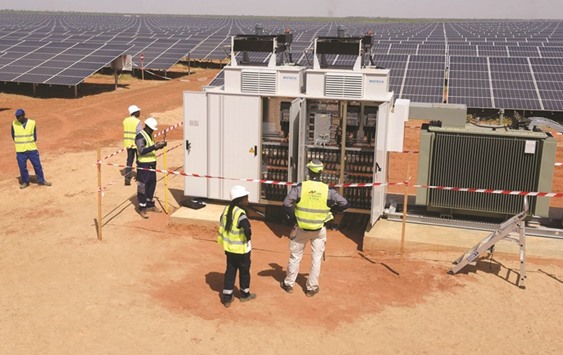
152 287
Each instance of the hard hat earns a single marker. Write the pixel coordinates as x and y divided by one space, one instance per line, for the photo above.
151 122
238 191
315 166
133 108
20 112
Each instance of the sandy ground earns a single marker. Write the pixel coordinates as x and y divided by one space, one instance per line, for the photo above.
151 287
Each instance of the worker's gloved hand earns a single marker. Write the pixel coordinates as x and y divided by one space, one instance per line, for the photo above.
159 145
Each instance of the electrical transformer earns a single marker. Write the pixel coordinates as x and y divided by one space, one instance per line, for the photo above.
484 158
270 117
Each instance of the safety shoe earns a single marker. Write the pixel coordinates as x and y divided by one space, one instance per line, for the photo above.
23 185
311 293
44 183
154 209
226 300
127 182
247 297
144 214
285 287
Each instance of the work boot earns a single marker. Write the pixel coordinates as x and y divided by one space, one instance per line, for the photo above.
23 185
144 213
154 209
44 183
127 182
226 300
247 296
286 288
311 293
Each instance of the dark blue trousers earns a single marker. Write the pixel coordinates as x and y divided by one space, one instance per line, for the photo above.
146 185
241 263
33 157
131 154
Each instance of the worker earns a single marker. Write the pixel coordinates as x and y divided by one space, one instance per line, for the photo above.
131 127
310 205
24 135
234 236
146 159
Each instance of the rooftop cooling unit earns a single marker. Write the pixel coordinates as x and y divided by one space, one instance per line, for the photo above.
511 160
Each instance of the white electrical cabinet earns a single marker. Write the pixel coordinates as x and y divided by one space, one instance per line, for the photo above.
268 122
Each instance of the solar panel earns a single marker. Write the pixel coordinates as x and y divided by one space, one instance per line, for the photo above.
513 84
469 83
548 73
424 79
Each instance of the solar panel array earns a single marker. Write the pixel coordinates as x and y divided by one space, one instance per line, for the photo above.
483 64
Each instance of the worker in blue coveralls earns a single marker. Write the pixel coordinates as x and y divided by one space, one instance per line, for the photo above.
24 135
146 159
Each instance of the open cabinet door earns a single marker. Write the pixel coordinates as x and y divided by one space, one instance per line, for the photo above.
295 117
195 133
379 193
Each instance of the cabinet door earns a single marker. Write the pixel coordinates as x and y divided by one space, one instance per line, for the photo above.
195 132
379 193
295 117
241 132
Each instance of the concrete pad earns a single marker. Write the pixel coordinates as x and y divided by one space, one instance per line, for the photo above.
208 215
386 235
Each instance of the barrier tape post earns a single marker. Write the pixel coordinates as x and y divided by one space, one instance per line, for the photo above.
99 168
405 202
165 179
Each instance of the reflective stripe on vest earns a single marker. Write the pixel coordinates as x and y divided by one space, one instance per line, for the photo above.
130 125
234 240
312 211
149 157
24 138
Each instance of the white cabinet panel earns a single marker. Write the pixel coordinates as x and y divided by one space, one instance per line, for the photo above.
242 126
195 132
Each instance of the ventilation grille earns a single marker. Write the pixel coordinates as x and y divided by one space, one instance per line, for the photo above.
258 82
473 161
338 85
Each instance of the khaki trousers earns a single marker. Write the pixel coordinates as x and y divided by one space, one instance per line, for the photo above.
297 241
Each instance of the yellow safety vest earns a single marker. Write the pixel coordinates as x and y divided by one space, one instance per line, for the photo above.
149 157
130 125
24 138
234 240
312 211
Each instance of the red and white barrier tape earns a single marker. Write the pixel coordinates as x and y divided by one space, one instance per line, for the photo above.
167 151
168 129
369 184
156 135
491 191
106 188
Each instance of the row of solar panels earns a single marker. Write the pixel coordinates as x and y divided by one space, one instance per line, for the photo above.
478 82
66 48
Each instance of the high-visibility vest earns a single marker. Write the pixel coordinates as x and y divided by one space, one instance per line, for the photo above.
149 157
312 211
234 240
24 138
130 125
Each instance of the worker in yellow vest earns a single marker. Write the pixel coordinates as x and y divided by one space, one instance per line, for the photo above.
24 135
146 159
234 236
131 127
310 205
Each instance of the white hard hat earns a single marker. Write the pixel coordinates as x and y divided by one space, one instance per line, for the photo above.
133 108
238 191
151 122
